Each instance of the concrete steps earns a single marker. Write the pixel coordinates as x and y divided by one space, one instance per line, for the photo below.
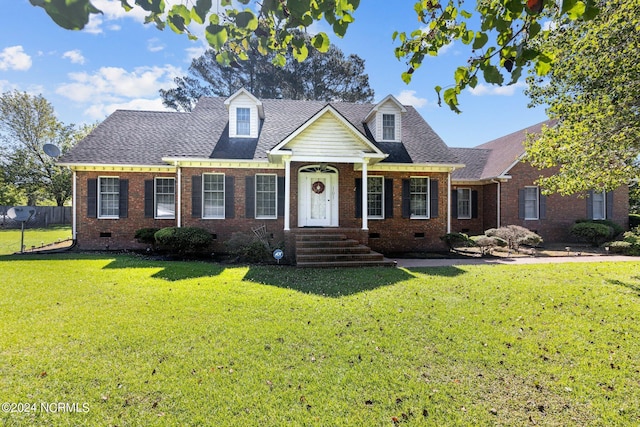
333 249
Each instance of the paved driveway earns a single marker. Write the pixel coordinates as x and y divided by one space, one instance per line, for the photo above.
445 262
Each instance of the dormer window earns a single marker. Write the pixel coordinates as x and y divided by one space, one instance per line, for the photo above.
389 127
243 121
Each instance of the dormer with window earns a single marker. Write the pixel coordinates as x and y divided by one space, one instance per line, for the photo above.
385 120
245 114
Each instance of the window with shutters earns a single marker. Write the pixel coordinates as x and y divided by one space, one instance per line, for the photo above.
213 196
165 198
266 196
531 203
375 197
419 198
108 197
599 205
464 203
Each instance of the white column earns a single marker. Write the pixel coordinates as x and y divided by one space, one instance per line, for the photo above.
287 194
179 209
74 212
498 203
449 203
365 197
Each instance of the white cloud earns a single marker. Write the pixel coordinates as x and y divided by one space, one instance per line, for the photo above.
408 97
75 56
154 45
100 111
483 89
14 58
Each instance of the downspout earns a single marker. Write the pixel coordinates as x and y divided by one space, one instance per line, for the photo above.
449 203
74 212
499 189
179 213
287 194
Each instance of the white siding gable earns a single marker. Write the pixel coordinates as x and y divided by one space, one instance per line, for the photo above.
243 99
327 136
390 106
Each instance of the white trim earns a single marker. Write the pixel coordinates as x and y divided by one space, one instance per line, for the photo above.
74 211
179 197
287 194
365 197
375 109
155 197
375 217
331 190
498 204
428 215
449 202
107 167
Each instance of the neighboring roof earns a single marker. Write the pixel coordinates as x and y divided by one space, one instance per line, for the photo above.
145 137
495 158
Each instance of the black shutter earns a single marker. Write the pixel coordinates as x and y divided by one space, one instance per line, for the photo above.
281 191
123 203
229 197
250 197
92 198
196 196
521 203
358 198
474 204
543 206
609 197
388 198
148 198
406 198
433 195
590 205
454 204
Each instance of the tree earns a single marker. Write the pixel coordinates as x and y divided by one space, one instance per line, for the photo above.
593 92
27 123
323 77
502 43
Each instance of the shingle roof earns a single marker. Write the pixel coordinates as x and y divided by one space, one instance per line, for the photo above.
494 158
145 137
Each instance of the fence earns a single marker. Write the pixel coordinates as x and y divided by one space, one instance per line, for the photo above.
44 217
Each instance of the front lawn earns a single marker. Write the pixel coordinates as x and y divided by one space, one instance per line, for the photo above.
33 237
122 340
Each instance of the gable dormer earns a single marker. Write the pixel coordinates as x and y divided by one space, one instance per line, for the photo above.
385 119
245 114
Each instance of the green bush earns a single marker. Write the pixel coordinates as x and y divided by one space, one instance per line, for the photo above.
247 248
619 247
146 235
634 220
615 228
486 243
515 236
591 232
453 240
183 240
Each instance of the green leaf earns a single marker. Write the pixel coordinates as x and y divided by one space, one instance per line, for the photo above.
534 29
543 64
461 75
153 6
480 40
247 20
406 77
216 36
451 99
280 60
321 42
179 17
492 74
467 37
465 14
301 53
576 11
200 10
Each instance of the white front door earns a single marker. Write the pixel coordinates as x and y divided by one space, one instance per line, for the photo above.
318 199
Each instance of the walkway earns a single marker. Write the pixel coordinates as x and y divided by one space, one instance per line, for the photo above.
445 262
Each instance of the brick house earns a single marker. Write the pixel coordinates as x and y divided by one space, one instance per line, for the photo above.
497 188
301 170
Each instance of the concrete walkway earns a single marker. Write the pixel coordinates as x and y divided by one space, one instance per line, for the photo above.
445 262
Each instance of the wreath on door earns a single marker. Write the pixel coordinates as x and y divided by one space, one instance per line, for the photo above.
318 187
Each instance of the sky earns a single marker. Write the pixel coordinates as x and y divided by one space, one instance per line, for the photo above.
117 62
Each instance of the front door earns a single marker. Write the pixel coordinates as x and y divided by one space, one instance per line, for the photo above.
318 198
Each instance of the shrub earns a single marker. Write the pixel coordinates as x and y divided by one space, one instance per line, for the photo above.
183 240
591 232
634 220
619 247
486 243
146 235
515 236
453 240
247 248
615 228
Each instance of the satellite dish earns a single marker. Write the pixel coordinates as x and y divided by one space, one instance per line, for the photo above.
51 150
21 213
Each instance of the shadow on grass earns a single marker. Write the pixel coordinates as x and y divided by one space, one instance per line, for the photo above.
447 271
633 287
337 282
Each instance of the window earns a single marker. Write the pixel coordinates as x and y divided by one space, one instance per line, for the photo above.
165 199
108 197
388 127
419 194
599 205
531 209
266 196
464 203
375 197
213 195
243 121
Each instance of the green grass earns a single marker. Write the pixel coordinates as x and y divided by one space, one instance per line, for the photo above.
10 239
146 343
